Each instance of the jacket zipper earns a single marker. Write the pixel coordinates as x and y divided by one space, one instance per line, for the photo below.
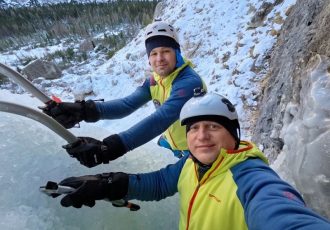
164 91
191 203
163 99
192 200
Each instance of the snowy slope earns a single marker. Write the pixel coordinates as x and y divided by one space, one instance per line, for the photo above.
214 34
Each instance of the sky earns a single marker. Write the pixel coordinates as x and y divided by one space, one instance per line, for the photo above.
216 36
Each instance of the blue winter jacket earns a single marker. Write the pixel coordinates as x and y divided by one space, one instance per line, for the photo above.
268 202
157 122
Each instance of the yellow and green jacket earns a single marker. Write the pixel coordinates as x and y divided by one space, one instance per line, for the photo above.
239 191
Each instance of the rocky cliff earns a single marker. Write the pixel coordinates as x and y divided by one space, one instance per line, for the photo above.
295 101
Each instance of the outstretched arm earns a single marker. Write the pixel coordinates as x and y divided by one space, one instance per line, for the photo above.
155 185
271 203
91 152
86 190
119 108
71 113
157 122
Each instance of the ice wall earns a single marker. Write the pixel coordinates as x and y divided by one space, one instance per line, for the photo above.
305 159
31 155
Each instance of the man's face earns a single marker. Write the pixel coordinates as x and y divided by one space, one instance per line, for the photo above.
206 138
162 60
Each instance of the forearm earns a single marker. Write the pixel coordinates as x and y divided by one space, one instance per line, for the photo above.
120 108
145 130
271 203
155 185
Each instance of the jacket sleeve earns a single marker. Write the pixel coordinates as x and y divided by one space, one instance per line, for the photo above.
157 122
120 108
271 203
155 185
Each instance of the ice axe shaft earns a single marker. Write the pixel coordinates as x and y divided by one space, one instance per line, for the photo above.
40 117
52 187
23 82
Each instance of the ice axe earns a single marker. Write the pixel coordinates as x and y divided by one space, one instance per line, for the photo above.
52 187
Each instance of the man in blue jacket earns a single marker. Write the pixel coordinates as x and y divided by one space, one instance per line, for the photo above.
172 83
225 183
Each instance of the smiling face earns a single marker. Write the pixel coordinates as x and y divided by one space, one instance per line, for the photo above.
205 140
162 60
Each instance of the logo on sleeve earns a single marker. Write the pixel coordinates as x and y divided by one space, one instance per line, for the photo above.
156 103
289 195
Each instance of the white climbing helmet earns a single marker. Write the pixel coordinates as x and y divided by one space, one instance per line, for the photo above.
206 105
160 28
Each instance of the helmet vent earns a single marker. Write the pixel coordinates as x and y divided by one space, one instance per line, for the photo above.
230 106
199 92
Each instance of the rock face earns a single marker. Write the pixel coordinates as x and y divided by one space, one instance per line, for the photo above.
304 40
304 34
39 68
86 45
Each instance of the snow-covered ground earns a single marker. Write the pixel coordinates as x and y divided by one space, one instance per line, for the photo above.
31 154
215 35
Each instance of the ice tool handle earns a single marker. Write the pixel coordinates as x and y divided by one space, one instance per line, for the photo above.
53 189
42 118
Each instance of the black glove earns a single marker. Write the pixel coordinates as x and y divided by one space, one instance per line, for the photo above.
110 186
69 114
91 152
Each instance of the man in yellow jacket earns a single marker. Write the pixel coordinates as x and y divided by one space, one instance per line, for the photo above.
173 82
225 183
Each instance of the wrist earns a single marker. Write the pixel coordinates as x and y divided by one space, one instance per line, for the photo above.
117 185
90 111
115 147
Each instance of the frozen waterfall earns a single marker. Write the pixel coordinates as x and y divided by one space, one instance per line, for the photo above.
31 154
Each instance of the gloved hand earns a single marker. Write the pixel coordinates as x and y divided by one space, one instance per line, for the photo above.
91 152
69 114
111 186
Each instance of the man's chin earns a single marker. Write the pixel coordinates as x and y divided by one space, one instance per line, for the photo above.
162 73
205 160
204 154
